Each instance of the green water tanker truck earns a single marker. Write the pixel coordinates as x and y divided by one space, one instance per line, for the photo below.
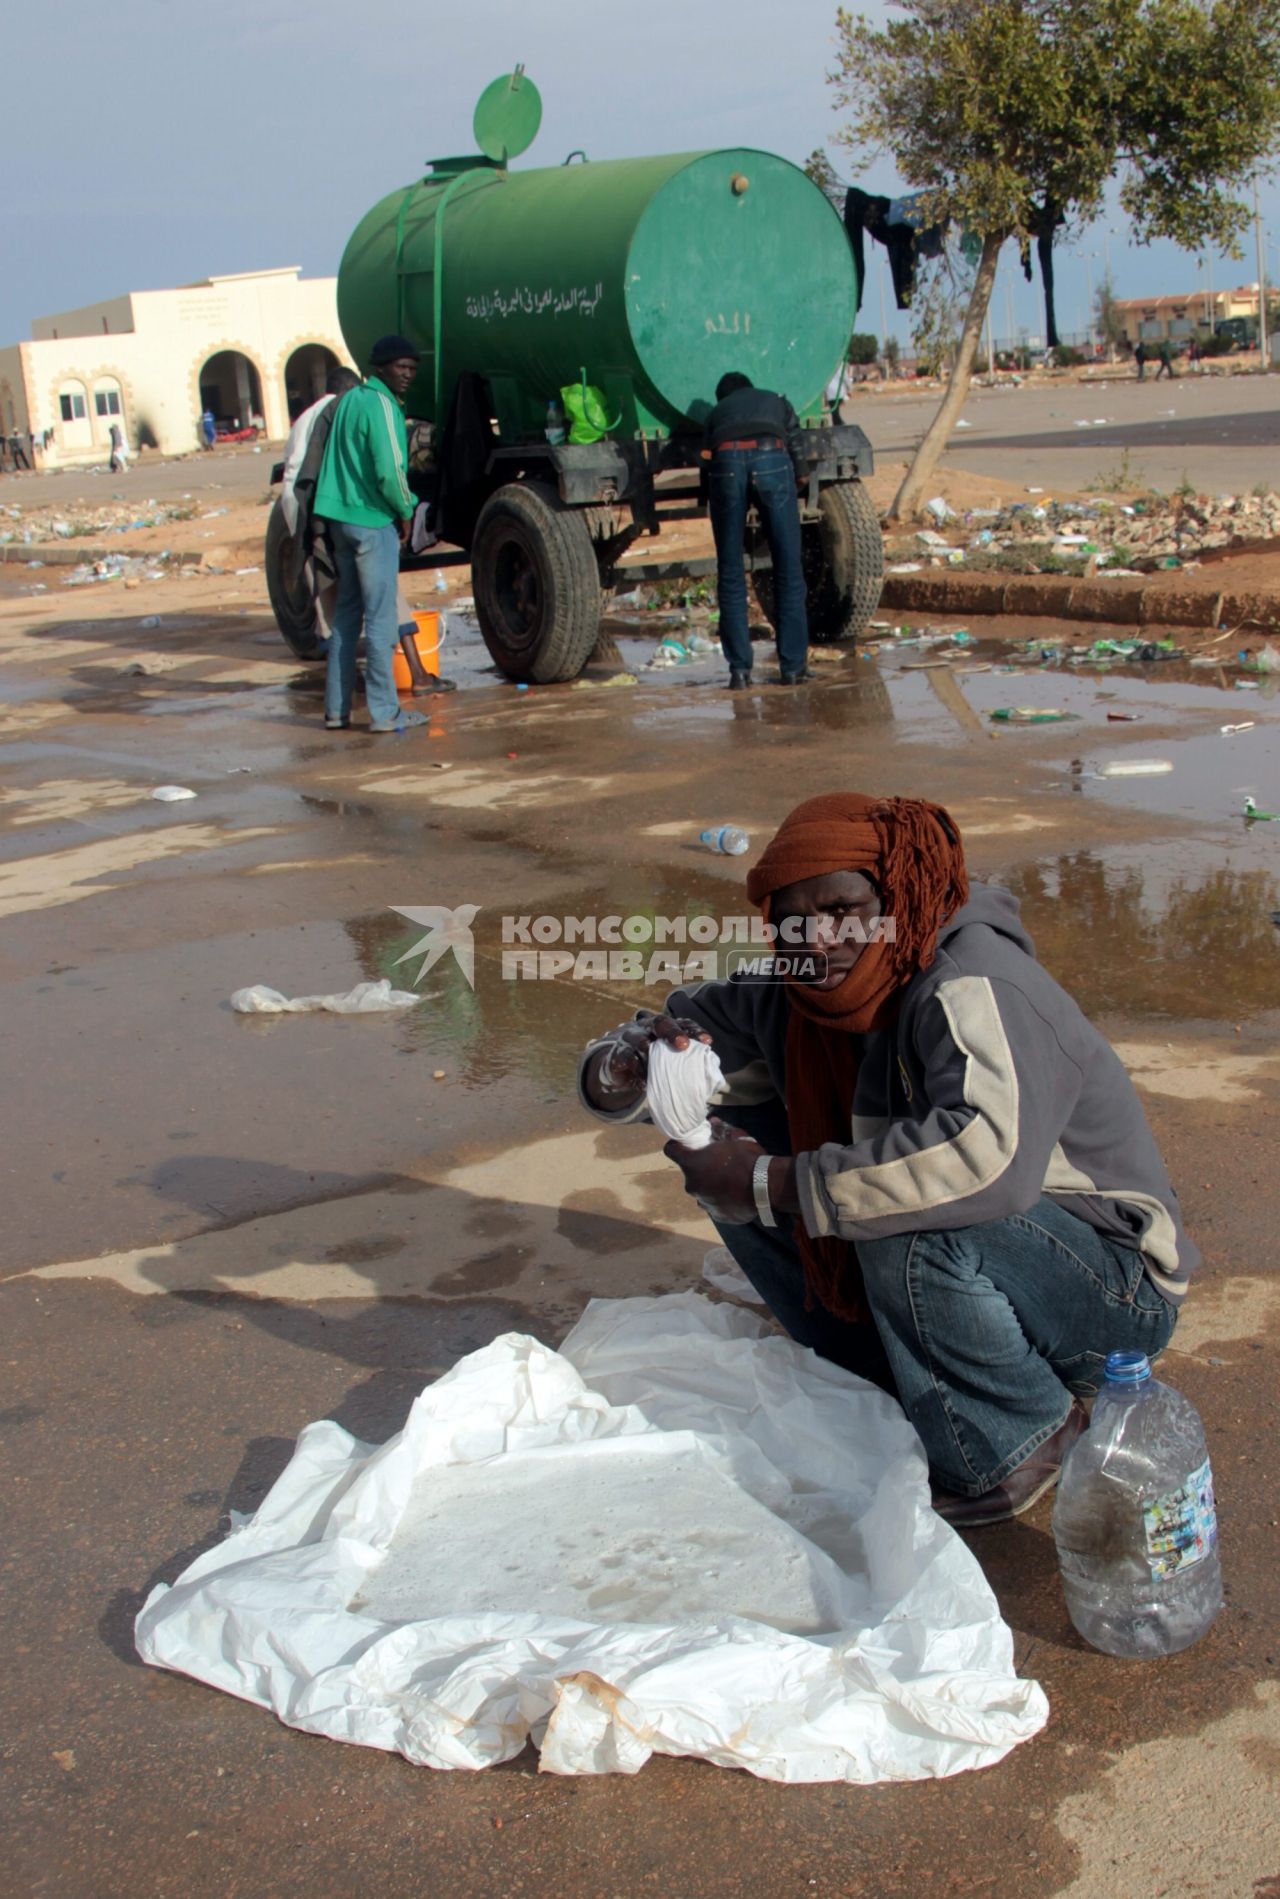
645 279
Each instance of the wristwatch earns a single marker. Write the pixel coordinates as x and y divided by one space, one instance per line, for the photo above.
760 1189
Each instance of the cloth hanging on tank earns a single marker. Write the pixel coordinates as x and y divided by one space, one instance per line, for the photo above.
1045 222
899 224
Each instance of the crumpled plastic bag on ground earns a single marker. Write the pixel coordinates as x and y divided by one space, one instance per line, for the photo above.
367 998
677 1535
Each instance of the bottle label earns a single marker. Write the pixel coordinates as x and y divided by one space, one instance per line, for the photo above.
1182 1526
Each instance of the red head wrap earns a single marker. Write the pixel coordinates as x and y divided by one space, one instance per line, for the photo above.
912 852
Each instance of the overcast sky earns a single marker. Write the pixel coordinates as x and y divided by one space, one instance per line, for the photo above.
153 144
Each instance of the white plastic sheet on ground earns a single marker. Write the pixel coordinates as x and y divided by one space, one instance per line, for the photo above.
679 1534
367 998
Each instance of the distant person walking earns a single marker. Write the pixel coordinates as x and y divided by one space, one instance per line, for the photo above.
119 463
208 429
18 452
747 444
1140 358
364 495
1165 353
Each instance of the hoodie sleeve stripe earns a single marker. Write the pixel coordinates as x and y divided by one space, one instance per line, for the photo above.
984 1112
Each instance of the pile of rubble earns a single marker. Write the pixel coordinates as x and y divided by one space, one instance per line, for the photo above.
1094 536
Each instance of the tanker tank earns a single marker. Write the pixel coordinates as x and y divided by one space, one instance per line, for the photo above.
655 276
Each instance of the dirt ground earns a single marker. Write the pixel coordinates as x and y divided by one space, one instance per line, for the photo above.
220 1229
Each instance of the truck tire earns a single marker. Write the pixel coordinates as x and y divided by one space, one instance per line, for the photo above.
297 614
843 565
536 583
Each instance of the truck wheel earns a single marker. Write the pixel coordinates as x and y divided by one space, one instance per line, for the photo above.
536 583
294 604
843 555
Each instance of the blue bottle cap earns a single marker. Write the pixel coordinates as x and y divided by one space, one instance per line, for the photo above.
1127 1368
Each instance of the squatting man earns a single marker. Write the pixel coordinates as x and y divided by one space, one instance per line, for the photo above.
932 1168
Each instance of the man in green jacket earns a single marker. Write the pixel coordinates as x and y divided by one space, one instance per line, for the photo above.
364 495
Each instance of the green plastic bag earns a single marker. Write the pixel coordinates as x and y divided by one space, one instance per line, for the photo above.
585 411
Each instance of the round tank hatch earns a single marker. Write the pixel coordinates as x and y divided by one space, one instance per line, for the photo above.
508 116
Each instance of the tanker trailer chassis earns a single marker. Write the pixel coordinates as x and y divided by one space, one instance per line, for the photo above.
549 538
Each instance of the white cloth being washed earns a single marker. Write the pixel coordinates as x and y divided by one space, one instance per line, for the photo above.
683 1082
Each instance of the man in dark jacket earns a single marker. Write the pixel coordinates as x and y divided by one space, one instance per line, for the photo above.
939 1174
747 435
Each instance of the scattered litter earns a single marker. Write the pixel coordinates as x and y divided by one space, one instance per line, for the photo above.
172 794
614 679
367 998
1136 768
248 570
721 1270
1125 718
437 1074
1247 726
906 567
1254 816
1247 685
614 1550
1268 660
940 509
152 620
1030 715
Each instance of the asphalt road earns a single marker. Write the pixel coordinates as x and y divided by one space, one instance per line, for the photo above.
220 1229
1220 433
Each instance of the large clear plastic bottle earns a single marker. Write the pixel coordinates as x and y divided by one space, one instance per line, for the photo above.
1134 1519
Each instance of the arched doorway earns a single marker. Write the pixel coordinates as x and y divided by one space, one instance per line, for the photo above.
304 376
231 389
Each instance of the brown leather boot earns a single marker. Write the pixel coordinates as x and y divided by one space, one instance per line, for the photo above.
1024 1485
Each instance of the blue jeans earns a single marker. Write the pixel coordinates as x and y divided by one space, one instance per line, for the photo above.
987 1330
738 474
368 563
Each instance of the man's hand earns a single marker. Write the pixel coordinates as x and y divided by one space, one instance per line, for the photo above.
618 1074
718 1177
402 529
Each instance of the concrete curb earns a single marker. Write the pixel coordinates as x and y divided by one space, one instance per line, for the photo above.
1058 597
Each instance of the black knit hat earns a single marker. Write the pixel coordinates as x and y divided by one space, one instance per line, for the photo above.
389 349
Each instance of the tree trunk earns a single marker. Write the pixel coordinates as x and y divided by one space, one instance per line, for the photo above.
908 500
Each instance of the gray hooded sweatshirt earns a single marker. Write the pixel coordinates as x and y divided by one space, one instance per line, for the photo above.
988 1091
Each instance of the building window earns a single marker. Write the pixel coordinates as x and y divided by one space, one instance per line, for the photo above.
105 402
72 408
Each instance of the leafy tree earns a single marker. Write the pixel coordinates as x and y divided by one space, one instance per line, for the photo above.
943 292
819 167
1108 320
892 353
1014 113
862 348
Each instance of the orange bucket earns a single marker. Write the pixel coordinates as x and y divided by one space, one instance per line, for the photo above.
427 642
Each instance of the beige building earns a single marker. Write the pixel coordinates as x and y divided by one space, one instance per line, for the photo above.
258 344
1194 313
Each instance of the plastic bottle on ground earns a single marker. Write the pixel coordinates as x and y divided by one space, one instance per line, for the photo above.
1134 1519
727 840
555 421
